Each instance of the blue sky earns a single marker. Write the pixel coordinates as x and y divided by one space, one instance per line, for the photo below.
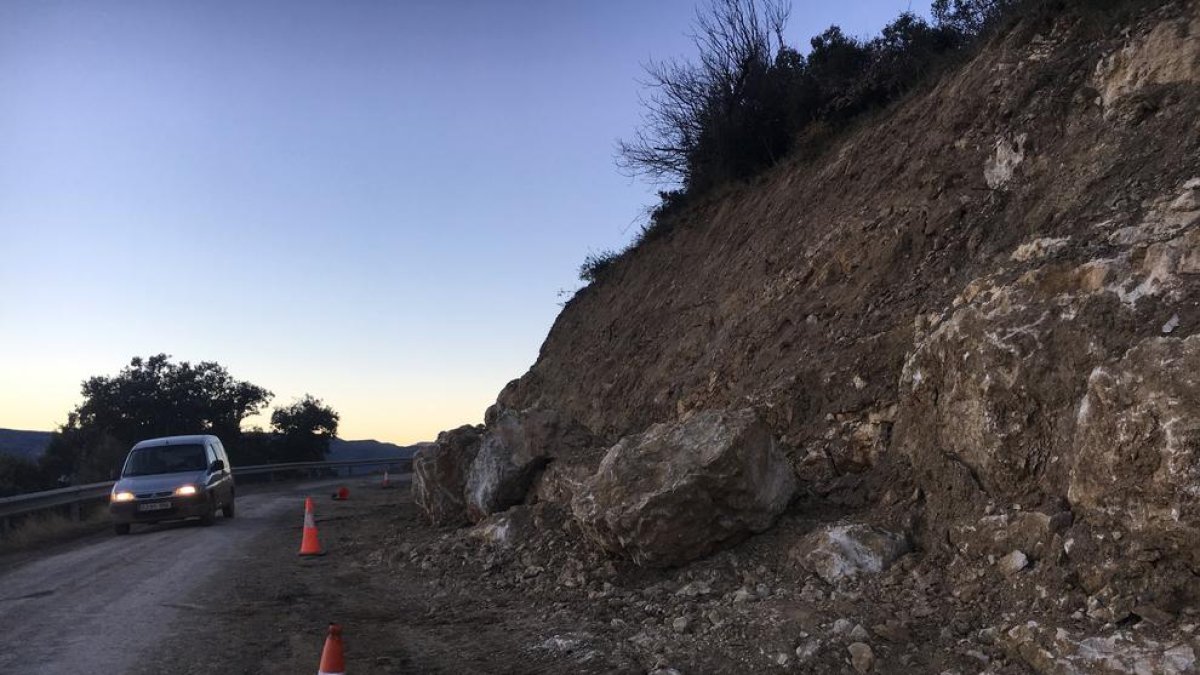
379 203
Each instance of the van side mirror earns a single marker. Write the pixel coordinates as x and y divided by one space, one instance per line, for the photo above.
217 465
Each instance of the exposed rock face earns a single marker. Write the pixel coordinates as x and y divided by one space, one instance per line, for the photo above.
1169 53
1138 444
516 447
993 390
842 552
680 491
440 475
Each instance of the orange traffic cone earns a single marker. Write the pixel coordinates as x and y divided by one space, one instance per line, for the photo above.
342 494
309 545
386 483
332 662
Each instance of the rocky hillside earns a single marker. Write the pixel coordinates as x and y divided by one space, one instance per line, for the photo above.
964 338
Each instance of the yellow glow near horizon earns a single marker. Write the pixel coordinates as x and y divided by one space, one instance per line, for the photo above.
42 404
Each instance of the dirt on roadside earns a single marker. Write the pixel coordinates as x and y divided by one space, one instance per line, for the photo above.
271 617
497 599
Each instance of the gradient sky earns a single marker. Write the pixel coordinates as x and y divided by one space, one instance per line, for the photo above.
379 203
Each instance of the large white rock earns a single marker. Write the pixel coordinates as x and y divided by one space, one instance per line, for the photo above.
841 552
440 475
515 449
679 491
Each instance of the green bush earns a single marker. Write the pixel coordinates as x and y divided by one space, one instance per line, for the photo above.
18 475
155 396
748 99
595 264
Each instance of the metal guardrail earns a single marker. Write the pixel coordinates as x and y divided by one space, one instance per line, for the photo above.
37 501
77 495
260 469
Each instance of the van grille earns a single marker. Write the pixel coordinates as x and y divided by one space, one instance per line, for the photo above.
153 495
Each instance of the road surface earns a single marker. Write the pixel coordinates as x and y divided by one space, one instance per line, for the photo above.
99 604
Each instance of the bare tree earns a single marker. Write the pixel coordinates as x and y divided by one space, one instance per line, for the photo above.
687 100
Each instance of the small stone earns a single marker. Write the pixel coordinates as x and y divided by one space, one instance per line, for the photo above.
1188 201
1180 659
1154 615
1171 324
810 593
782 659
1013 562
808 649
859 634
841 626
742 595
892 631
1101 613
695 588
861 657
681 624
979 656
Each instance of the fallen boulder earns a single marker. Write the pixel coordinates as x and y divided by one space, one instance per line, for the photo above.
514 450
842 552
440 475
681 490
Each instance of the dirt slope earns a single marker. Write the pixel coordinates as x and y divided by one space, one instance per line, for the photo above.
970 322
786 291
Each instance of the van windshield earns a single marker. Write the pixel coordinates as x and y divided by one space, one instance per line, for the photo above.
166 459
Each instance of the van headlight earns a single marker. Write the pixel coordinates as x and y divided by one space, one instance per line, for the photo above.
122 496
185 490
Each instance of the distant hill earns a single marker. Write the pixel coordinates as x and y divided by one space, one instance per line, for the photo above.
31 444
341 449
26 444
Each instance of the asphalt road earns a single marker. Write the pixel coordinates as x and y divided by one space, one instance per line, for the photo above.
97 605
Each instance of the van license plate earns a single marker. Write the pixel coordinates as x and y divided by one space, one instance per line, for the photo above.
155 506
